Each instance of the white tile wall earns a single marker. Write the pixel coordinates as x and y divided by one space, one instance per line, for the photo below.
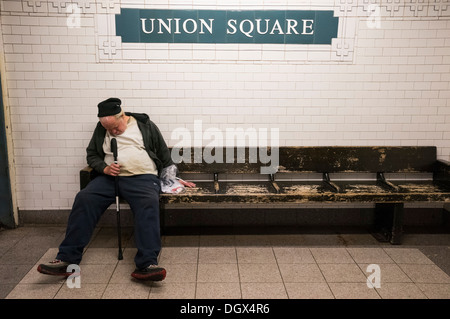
394 90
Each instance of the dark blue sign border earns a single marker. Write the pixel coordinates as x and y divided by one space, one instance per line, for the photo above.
226 26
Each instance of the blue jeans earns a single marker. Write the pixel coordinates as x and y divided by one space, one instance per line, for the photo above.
142 194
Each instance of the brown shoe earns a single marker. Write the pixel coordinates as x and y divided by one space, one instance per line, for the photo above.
152 272
55 268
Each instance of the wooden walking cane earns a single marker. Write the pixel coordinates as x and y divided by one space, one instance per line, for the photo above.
116 181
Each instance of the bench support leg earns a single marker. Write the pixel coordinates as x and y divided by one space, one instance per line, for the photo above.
397 224
446 217
388 222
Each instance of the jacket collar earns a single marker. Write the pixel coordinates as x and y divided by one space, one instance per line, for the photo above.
141 117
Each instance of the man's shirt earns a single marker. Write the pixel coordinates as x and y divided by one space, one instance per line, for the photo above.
131 153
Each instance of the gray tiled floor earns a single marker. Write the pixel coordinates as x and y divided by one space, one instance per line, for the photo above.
294 266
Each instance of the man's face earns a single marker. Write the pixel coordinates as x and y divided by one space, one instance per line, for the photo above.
114 126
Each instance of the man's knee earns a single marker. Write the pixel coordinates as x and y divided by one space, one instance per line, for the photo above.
83 196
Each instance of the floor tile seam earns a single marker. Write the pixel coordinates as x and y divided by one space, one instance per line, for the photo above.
59 289
365 273
408 276
429 262
27 264
355 281
220 282
415 283
222 262
30 269
11 247
390 282
217 263
434 283
32 284
420 264
219 247
379 290
305 282
246 282
281 274
392 260
196 283
197 268
258 262
402 270
448 275
321 272
109 280
368 282
237 262
424 292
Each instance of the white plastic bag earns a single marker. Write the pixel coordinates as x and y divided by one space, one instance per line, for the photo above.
169 181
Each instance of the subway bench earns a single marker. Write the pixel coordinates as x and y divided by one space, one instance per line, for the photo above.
387 176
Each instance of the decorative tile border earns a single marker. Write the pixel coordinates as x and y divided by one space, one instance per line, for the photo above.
350 12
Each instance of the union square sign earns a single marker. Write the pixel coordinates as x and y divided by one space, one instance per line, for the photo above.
226 26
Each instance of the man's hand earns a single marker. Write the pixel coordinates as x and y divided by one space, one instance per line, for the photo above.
112 170
185 183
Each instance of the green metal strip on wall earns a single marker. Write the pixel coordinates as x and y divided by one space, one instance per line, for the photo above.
226 26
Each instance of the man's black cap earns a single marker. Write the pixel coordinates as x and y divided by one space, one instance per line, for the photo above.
109 107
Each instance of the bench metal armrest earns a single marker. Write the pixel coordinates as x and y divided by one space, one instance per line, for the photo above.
442 171
87 174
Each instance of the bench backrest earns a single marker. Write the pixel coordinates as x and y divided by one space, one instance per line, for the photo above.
334 159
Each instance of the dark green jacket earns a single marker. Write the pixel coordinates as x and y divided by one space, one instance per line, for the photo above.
153 141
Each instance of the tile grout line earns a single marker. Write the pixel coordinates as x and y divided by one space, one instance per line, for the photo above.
196 272
409 277
396 262
364 273
321 272
110 277
6 252
237 265
279 270
398 265
163 244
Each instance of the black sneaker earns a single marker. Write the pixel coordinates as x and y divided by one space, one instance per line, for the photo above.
152 272
55 268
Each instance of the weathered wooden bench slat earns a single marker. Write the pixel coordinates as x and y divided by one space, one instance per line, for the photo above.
235 177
